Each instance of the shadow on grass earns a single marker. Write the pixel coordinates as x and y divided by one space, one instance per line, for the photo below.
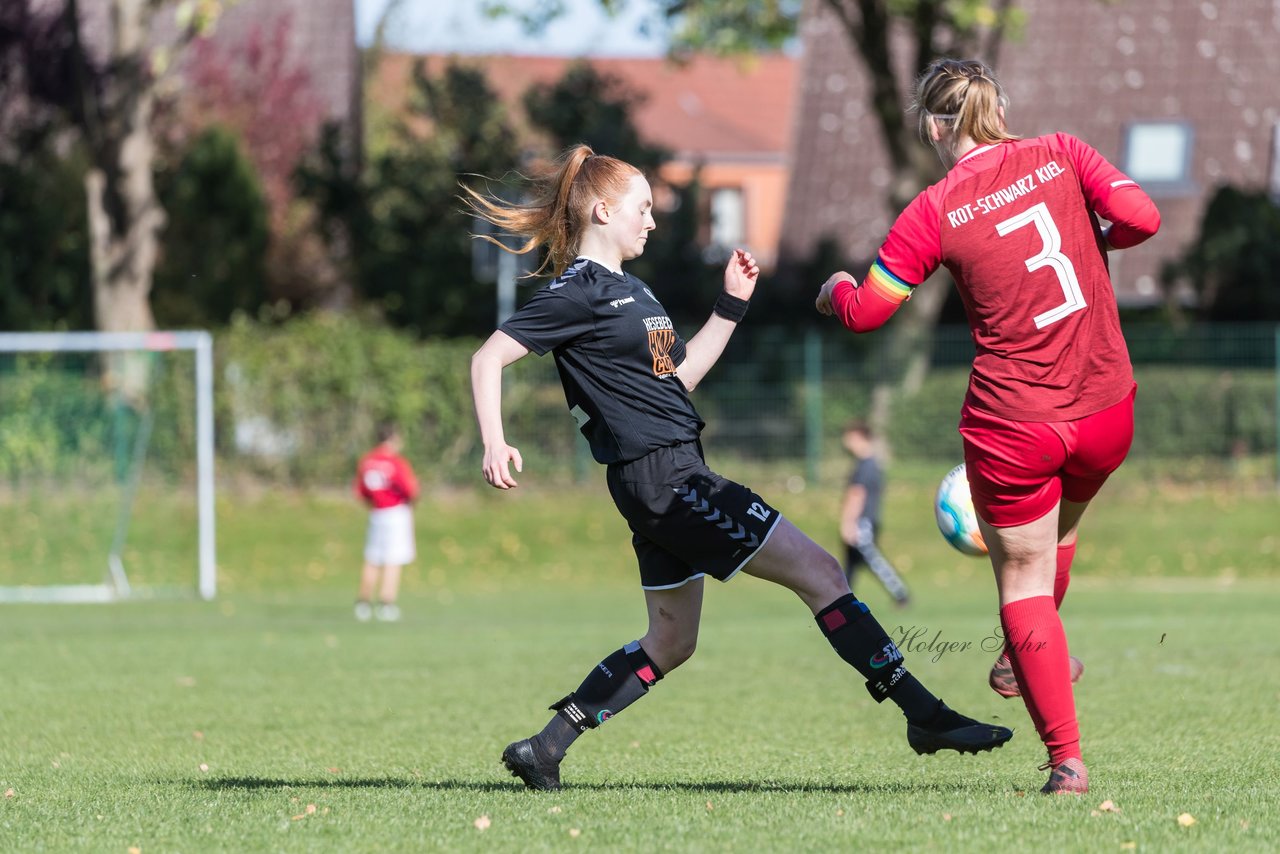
251 784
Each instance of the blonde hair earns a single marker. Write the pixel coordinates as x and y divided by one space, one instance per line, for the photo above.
965 94
560 207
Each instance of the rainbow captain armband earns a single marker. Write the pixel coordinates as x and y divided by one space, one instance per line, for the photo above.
869 306
886 284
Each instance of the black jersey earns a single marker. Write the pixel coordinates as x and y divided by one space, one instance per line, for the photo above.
617 354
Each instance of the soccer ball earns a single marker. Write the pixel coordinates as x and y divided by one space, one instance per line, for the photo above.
953 508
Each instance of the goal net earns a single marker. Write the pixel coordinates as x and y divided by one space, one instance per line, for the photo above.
106 466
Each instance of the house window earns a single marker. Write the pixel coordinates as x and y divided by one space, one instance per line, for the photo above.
1158 155
728 217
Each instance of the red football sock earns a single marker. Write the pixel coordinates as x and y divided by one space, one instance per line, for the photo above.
1062 578
1037 646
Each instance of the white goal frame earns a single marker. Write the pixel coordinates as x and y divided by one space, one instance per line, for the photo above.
201 343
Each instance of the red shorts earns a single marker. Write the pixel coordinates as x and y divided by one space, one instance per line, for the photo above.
1020 470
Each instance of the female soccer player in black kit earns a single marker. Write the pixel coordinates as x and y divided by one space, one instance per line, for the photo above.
627 375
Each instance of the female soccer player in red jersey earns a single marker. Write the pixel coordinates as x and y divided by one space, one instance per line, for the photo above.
627 375
1049 411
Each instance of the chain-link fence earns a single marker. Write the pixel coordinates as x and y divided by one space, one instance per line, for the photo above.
297 404
1205 393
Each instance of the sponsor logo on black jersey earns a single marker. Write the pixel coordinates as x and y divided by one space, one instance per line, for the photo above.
662 337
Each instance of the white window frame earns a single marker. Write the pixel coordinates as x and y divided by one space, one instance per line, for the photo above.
1182 184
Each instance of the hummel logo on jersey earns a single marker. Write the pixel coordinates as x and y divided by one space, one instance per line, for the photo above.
623 301
650 293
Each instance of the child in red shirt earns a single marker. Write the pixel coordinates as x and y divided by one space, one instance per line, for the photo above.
385 481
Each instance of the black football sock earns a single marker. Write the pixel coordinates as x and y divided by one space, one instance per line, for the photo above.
858 638
622 678
554 740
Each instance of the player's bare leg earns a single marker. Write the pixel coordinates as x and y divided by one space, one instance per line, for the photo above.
364 597
388 591
1002 679
792 559
1023 557
619 680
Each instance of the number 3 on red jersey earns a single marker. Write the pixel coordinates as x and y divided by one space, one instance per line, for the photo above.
1049 256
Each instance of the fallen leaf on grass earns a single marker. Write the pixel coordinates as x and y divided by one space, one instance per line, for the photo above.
9 793
554 810
1108 806
298 817
482 823
310 810
839 813
133 849
1128 846
1186 819
334 770
186 681
946 816
709 806
575 832
203 767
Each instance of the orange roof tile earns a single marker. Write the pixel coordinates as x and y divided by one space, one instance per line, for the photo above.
707 108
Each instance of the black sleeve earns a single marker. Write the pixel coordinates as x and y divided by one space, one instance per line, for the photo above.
678 351
551 318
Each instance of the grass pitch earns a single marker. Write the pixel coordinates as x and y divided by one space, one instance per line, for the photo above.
268 720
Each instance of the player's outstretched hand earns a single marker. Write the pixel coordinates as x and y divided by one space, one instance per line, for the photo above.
496 471
823 302
740 275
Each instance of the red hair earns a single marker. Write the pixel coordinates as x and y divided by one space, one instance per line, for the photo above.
560 207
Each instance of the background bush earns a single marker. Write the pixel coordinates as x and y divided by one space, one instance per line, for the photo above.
297 403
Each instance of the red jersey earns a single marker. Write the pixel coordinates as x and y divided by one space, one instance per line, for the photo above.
385 479
1015 225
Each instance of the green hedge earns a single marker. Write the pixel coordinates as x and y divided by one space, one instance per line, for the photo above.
297 403
1186 411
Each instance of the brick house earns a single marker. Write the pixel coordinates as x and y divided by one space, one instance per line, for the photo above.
730 119
1180 95
321 39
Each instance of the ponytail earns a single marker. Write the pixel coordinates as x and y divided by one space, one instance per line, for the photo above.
559 208
966 96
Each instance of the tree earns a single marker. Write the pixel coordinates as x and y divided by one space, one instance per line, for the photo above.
884 35
215 242
410 242
588 106
44 254
107 93
271 104
1231 265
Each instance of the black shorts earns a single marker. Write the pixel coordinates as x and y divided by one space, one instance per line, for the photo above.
687 521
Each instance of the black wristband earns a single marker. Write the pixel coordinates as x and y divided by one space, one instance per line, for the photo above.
730 307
